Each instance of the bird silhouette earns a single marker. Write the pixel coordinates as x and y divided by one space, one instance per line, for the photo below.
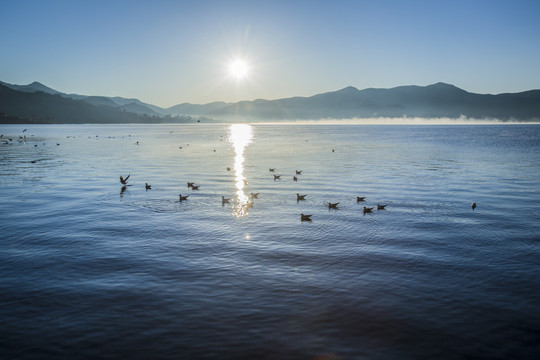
182 198
380 207
277 177
305 217
300 197
360 198
473 205
332 205
124 181
147 186
367 210
224 200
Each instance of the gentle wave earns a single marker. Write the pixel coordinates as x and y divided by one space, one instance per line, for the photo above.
93 271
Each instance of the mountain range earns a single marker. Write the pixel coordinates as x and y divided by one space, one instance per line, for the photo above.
38 103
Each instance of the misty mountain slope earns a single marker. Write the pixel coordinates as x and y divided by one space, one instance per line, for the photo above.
33 87
187 108
100 101
438 100
41 107
141 107
131 105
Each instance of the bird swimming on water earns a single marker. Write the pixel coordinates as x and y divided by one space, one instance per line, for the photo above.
360 198
147 186
300 197
272 169
277 177
305 217
298 172
295 178
124 181
195 187
473 205
224 200
366 209
381 207
332 205
254 195
190 184
182 198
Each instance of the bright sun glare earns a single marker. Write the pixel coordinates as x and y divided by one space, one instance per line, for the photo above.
238 69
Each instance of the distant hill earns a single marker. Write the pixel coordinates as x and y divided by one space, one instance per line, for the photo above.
131 105
142 108
187 108
41 107
433 101
33 87
37 102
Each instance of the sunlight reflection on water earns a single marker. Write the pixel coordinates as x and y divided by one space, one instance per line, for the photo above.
240 135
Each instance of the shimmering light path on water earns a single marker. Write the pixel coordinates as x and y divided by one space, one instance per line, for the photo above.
240 135
90 271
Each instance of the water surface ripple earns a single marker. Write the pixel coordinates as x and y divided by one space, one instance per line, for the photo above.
89 270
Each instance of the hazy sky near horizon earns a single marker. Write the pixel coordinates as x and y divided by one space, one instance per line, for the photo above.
170 52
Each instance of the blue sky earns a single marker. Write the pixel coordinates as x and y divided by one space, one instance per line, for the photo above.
171 52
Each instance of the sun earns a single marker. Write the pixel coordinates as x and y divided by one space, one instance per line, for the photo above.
238 69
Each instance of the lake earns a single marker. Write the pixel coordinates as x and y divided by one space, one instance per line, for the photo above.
92 269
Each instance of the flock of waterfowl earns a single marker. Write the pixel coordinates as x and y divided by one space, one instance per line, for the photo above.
299 197
249 202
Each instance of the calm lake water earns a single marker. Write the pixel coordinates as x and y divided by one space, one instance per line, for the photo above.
88 270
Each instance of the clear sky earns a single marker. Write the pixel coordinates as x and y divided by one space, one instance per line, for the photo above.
171 52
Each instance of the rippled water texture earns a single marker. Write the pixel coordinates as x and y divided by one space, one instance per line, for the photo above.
91 270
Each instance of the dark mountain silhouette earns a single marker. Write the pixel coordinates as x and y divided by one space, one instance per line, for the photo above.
33 87
40 107
131 105
433 101
41 103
